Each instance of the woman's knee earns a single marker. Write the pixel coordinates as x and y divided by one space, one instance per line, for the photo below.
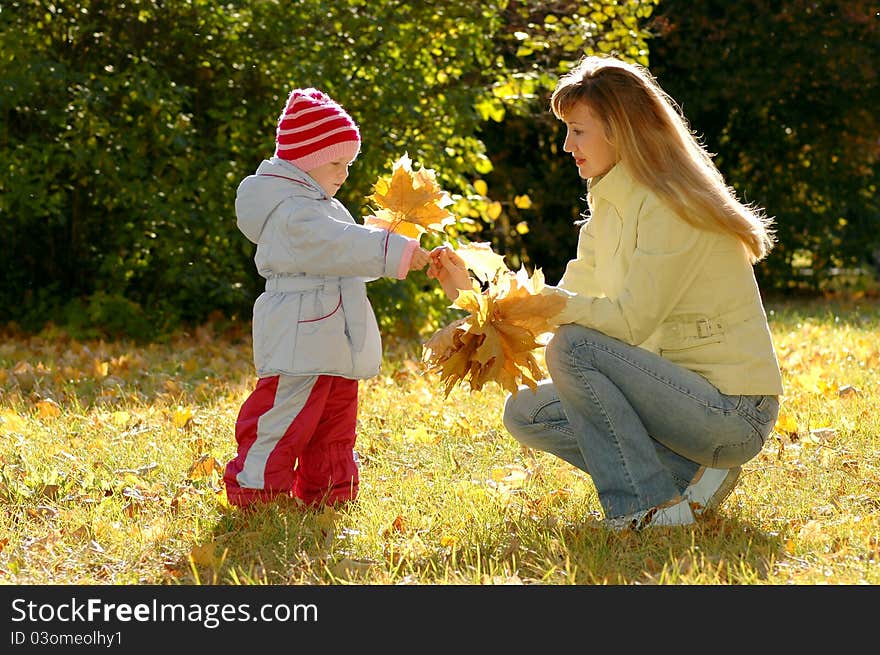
560 350
513 417
556 349
528 413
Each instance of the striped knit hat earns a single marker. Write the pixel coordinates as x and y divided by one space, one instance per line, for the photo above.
314 129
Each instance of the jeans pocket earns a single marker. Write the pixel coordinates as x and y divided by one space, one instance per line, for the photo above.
760 412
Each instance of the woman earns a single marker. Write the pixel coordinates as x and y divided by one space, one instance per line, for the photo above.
663 375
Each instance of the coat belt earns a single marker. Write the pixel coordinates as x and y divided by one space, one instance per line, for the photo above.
702 327
351 299
297 283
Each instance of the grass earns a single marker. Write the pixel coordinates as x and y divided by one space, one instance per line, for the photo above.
111 460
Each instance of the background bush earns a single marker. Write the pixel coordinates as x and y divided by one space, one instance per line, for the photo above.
126 128
786 94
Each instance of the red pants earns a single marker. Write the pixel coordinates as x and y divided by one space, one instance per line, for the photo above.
296 438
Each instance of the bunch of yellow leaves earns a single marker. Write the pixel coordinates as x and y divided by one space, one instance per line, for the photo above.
496 341
410 202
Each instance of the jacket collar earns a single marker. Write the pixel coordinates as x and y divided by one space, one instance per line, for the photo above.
284 170
614 187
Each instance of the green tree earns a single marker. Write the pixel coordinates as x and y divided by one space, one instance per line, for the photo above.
786 93
127 127
537 193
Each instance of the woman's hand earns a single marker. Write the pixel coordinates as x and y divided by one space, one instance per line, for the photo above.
449 269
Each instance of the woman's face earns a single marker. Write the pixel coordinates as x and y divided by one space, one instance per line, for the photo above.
587 142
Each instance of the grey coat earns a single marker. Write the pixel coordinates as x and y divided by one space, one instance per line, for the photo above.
314 317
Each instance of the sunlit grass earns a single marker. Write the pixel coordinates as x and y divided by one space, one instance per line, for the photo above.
111 460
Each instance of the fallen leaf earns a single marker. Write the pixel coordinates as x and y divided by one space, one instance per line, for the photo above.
786 424
48 408
822 435
419 435
204 554
182 417
10 422
848 390
203 467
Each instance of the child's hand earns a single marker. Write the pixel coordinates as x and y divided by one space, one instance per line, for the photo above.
420 259
448 268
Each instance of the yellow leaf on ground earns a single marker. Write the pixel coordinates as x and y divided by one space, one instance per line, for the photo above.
11 422
205 554
182 416
786 424
120 418
419 435
203 467
511 475
48 408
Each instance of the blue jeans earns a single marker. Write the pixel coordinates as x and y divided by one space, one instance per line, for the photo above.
639 424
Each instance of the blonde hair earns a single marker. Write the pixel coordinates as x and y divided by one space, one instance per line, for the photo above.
654 142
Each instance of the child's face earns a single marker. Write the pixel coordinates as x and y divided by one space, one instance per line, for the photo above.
586 140
331 175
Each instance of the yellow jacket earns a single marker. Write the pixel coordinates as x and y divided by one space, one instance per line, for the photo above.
644 276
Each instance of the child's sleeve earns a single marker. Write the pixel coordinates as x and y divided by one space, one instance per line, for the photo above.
406 258
314 243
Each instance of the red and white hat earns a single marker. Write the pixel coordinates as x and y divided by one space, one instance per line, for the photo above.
314 129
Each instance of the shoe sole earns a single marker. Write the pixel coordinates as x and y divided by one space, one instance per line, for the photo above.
721 493
656 516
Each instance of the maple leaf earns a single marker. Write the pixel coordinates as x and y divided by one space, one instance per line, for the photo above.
496 341
203 467
482 260
410 202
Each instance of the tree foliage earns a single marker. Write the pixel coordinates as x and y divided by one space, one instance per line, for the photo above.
125 129
534 188
786 94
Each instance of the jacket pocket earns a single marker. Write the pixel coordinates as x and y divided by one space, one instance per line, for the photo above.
672 344
322 345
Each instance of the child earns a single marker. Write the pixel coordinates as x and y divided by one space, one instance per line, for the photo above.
663 375
314 331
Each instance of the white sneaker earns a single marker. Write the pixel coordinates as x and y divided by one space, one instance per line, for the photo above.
710 487
675 512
